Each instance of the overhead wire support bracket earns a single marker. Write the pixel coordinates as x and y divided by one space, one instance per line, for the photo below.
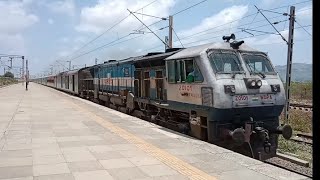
162 18
148 28
271 24
244 30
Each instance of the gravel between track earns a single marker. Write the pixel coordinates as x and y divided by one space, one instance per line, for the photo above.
291 166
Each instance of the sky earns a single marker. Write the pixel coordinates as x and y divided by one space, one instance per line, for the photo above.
51 32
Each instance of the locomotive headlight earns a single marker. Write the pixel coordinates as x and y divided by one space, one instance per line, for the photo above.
229 89
253 83
259 83
275 88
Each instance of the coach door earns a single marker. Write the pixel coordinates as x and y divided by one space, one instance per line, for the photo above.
73 83
146 83
159 84
137 83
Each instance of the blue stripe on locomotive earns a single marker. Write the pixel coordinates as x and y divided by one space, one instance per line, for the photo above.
114 71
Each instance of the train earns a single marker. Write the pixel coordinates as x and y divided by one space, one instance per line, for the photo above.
226 93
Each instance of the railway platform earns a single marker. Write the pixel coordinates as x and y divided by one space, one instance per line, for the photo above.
47 134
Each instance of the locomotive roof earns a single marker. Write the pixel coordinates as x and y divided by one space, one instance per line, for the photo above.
197 50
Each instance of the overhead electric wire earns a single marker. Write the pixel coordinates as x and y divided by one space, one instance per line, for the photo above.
95 49
252 20
302 27
271 11
215 27
162 18
108 30
206 39
177 37
302 2
260 31
147 27
109 44
143 27
189 7
245 37
271 24
112 27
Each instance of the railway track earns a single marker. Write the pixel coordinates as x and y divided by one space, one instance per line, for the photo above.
303 138
305 107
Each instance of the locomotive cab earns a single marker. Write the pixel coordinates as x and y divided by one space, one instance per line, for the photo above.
235 89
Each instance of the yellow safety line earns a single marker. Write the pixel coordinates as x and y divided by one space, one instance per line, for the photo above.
165 157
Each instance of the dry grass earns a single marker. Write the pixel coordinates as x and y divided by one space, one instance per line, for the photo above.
301 92
7 81
300 120
302 151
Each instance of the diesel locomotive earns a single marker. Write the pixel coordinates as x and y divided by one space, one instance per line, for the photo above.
226 93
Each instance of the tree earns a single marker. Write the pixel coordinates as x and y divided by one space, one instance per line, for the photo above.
9 74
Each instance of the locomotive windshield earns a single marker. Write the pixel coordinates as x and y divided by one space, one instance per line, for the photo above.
257 63
225 62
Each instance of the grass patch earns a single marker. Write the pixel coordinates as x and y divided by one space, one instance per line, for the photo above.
301 92
7 81
301 150
300 120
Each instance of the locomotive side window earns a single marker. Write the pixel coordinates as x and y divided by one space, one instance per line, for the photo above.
225 62
171 71
183 71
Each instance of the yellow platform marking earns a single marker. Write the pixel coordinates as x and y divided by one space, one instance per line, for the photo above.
163 156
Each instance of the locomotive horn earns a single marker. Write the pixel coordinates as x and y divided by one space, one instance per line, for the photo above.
235 45
229 37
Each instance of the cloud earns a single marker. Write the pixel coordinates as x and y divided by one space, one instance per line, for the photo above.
63 53
80 39
15 19
107 12
304 13
62 7
268 3
12 44
219 23
64 40
50 21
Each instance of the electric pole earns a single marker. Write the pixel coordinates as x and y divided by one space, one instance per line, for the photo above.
166 39
96 61
69 65
27 74
289 61
10 62
22 70
170 30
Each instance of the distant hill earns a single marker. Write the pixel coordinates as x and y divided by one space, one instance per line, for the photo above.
301 72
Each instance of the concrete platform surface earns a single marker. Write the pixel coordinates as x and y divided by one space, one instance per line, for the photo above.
46 134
